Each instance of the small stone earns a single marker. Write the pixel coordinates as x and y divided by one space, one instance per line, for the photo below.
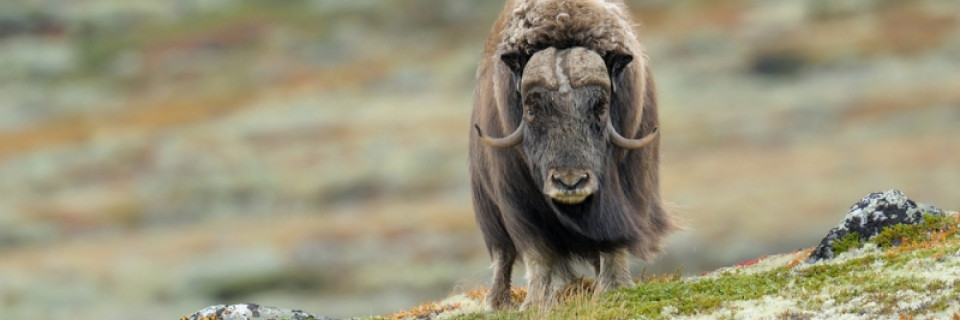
250 311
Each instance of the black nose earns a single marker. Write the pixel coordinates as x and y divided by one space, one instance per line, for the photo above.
570 179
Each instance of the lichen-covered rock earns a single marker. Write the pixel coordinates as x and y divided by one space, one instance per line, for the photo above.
869 216
250 311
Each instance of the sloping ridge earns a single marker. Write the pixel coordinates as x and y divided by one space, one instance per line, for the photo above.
907 269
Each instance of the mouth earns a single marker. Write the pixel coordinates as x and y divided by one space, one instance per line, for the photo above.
570 197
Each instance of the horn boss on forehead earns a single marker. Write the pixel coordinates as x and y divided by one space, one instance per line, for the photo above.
557 70
585 68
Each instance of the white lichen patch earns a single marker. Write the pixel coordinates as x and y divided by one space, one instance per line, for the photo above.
886 305
669 311
944 268
947 313
466 305
867 249
767 307
763 264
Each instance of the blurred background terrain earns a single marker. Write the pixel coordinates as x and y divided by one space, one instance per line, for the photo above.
158 157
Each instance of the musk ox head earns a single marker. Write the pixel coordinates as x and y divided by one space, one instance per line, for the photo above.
566 132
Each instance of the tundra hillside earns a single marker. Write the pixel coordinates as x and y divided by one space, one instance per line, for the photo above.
888 258
914 276
319 146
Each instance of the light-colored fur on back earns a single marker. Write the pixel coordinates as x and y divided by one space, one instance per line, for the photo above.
601 25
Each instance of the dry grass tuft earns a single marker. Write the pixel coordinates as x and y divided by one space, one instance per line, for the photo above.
801 256
935 239
425 310
659 278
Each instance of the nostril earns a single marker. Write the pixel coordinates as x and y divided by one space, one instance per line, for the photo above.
580 180
570 181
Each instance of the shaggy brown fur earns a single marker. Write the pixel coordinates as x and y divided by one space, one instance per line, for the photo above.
516 219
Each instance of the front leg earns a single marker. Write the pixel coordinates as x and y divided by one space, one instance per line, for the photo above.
498 297
613 271
547 277
538 281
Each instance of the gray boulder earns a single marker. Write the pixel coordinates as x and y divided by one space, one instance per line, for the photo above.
870 215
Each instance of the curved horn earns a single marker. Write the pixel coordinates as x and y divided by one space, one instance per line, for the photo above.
625 143
511 140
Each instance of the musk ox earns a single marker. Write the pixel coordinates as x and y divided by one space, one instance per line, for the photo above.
565 148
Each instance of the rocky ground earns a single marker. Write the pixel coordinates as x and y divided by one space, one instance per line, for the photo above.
166 156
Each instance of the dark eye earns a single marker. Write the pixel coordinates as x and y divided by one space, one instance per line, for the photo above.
601 109
528 113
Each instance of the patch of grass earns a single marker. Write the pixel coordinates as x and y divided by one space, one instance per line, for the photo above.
703 295
849 241
649 299
933 227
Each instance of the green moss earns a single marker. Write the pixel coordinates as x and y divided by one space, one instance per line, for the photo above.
849 241
699 296
649 299
893 236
